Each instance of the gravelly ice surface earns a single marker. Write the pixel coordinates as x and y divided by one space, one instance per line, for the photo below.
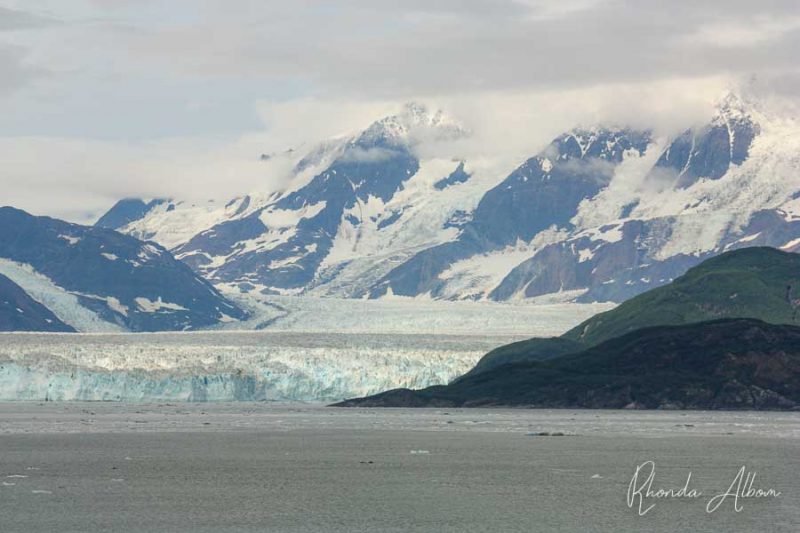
267 467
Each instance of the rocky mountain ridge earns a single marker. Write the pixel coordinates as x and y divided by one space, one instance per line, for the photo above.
600 214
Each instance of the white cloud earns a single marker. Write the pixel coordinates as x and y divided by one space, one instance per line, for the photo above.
104 98
79 178
297 121
76 177
744 33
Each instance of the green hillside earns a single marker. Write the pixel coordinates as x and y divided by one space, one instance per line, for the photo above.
528 350
724 364
746 283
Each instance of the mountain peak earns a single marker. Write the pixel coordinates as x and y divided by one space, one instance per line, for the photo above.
415 122
735 106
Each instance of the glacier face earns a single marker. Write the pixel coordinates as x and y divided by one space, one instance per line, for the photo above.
313 350
226 366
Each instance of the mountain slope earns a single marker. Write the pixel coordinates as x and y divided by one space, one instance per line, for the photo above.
134 284
746 283
20 312
536 349
126 211
306 236
751 282
542 193
726 364
729 184
599 215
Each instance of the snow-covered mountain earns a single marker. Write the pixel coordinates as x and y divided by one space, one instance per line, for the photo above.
600 214
355 205
93 279
732 183
535 200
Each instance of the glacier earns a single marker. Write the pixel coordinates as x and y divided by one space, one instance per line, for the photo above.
311 350
402 315
229 366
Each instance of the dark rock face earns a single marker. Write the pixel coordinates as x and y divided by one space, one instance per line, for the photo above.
612 270
126 211
545 191
219 240
419 275
153 291
459 175
727 364
374 165
391 219
20 312
708 152
620 268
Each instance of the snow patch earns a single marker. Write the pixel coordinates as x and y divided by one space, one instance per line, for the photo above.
584 255
115 305
791 245
286 218
155 306
71 240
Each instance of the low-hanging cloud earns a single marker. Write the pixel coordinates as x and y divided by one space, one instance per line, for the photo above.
111 98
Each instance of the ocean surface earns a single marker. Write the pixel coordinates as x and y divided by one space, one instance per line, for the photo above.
295 468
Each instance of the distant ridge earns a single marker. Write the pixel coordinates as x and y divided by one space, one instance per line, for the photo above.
409 207
98 277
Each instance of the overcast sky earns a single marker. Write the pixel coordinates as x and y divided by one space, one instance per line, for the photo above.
107 98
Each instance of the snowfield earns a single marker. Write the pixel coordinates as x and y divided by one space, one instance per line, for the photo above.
311 350
401 315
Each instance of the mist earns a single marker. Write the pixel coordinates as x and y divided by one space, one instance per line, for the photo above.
109 99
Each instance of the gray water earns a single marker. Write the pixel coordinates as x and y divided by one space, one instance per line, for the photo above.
261 467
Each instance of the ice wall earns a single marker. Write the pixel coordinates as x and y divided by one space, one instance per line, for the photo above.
229 366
